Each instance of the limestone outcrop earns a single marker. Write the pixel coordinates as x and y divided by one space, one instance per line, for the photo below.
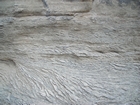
20 8
69 52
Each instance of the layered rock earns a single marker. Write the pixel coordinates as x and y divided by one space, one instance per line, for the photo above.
69 56
43 7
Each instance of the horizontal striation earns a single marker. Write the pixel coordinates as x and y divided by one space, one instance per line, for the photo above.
68 59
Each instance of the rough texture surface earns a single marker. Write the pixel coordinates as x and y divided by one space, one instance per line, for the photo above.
85 58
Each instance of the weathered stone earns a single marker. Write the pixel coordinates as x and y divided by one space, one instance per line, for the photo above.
70 56
43 7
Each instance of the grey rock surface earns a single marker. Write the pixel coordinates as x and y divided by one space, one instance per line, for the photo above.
84 58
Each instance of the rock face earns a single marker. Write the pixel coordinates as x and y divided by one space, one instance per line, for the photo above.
82 53
20 8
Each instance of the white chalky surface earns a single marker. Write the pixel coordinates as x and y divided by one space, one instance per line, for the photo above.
89 58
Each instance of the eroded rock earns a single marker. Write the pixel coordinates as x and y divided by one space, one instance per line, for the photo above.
69 56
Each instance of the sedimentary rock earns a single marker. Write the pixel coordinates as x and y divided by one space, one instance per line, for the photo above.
71 55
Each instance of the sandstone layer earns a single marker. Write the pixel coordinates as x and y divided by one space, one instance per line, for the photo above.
82 53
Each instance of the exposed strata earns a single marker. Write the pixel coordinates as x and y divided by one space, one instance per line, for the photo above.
90 58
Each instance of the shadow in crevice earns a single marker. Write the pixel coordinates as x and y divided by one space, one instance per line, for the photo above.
8 61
